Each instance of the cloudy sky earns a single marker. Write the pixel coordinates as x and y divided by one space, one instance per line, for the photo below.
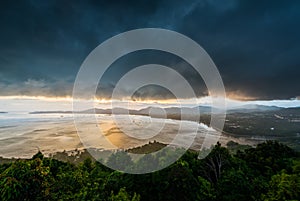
254 44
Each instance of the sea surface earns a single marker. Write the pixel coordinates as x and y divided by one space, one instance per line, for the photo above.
23 134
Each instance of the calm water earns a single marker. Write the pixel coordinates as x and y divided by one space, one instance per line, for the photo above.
22 134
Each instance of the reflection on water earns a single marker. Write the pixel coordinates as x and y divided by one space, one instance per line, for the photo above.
21 135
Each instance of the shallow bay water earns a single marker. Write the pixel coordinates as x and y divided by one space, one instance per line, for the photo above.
23 134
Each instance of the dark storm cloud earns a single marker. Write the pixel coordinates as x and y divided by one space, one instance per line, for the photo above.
135 59
255 44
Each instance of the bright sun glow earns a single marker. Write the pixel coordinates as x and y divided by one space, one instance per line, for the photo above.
42 103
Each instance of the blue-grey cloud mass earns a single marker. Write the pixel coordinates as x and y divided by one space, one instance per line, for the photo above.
255 44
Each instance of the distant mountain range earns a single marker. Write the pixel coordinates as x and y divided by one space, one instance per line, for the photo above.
253 108
163 112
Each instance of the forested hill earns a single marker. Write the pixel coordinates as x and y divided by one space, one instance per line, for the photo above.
271 171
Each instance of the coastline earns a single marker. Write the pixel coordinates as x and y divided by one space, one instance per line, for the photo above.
76 156
52 133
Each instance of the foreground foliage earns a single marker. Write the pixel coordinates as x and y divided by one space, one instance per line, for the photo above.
271 171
